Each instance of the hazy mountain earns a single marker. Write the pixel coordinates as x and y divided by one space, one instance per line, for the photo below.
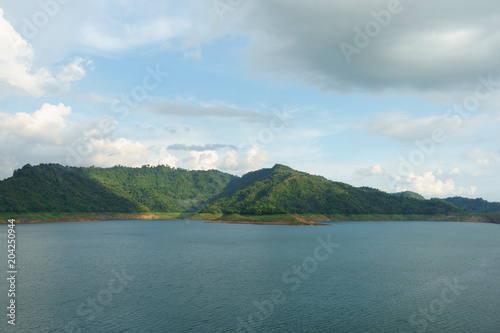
474 205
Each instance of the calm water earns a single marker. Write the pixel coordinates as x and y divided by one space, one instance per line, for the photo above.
189 276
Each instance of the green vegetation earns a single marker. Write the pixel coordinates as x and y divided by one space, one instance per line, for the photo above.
55 188
474 205
282 189
162 192
410 194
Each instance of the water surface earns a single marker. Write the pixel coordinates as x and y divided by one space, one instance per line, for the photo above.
189 276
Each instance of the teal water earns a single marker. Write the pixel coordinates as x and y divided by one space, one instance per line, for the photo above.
189 276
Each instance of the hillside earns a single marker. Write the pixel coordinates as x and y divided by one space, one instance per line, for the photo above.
410 194
474 205
55 188
283 190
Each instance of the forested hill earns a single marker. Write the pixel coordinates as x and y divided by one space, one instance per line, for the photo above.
282 189
277 190
410 194
56 188
474 205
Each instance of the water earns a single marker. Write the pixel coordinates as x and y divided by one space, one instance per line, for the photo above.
189 276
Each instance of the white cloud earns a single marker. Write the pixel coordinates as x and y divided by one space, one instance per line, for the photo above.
108 152
377 170
372 171
46 136
484 157
428 184
46 124
204 160
232 161
255 157
17 68
122 37
455 171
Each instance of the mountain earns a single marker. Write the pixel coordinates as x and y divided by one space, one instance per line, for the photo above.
56 188
282 189
277 190
410 194
474 205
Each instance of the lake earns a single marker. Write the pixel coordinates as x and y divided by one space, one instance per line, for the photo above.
190 276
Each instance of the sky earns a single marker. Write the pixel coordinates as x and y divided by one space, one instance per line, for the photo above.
395 95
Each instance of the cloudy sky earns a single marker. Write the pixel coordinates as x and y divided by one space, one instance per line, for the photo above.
397 95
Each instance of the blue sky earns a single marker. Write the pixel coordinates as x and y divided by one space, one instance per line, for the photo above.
397 95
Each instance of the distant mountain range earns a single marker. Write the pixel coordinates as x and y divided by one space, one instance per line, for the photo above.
474 205
277 190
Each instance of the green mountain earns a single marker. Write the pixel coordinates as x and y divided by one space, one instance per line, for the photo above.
55 188
410 194
474 205
277 190
282 189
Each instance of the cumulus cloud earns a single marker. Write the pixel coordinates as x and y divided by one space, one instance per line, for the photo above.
372 171
429 185
108 152
46 136
17 68
46 125
204 160
256 157
232 161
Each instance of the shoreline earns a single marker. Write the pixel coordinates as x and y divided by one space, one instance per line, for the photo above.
286 219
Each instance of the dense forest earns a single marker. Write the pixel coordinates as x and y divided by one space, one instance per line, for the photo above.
277 190
282 189
475 205
56 188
